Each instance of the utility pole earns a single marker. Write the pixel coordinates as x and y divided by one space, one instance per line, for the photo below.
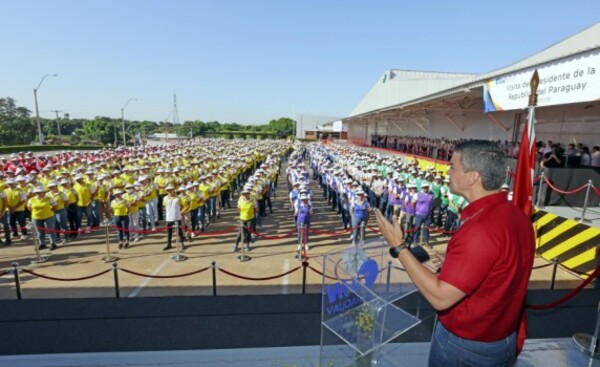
58 125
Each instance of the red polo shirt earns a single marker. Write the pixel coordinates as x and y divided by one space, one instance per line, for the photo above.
490 259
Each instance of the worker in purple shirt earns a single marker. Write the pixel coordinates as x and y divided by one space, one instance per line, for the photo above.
408 209
304 211
395 200
423 203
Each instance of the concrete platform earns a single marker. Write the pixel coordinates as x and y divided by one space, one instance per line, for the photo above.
537 352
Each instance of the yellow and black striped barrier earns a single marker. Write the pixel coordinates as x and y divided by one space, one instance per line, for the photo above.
573 244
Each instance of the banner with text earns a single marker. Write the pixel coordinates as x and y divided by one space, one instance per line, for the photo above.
572 80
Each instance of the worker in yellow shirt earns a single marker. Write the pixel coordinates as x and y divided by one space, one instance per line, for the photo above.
16 200
72 207
133 198
185 212
247 207
162 181
4 218
42 216
84 202
60 211
192 194
120 211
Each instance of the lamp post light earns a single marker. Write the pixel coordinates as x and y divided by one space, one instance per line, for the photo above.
123 119
37 111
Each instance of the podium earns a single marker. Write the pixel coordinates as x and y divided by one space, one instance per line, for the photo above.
358 315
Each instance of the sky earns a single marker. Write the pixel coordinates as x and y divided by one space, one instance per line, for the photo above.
255 60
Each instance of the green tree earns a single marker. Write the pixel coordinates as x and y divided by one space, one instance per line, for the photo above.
283 126
16 127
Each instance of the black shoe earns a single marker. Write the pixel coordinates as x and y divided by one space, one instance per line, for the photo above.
43 247
182 247
167 247
7 243
53 246
120 245
126 244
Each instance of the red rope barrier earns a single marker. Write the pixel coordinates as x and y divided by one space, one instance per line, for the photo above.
65 279
325 275
564 192
288 234
259 279
213 233
157 230
567 296
4 272
331 233
596 190
373 229
433 229
165 276
52 230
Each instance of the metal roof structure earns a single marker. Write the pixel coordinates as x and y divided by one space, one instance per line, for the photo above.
428 86
398 86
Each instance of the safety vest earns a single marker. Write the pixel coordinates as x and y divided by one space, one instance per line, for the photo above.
119 207
246 209
41 208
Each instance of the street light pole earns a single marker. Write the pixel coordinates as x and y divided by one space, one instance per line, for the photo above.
123 119
37 110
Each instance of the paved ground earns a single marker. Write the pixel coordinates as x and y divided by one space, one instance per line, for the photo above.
83 257
536 352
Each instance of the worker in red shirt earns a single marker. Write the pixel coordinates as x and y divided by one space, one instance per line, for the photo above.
479 293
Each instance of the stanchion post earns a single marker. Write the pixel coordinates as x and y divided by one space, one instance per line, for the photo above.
15 266
588 344
507 176
304 266
539 193
213 266
115 268
36 245
389 277
178 256
554 269
362 233
585 204
109 258
298 255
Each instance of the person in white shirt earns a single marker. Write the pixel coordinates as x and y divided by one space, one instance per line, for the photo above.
173 204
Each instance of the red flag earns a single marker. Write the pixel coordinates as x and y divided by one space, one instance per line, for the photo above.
523 187
522 198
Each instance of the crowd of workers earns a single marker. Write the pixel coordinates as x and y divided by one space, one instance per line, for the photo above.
184 186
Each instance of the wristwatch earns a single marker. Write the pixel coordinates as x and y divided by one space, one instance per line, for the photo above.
395 251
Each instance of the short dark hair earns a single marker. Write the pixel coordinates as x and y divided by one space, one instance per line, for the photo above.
485 157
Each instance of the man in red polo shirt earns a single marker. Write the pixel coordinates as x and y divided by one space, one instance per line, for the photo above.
480 291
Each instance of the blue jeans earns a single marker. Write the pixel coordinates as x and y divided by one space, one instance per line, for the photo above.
425 221
122 221
95 213
61 221
39 225
449 350
356 222
305 228
87 210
